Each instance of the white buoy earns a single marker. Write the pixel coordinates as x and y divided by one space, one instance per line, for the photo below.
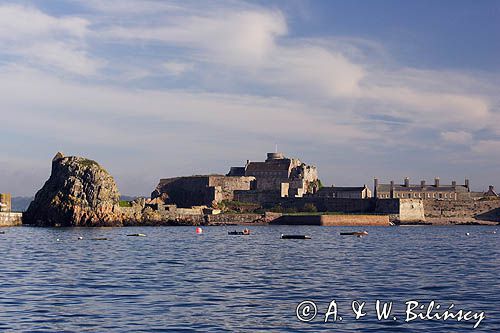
57 240
80 238
467 234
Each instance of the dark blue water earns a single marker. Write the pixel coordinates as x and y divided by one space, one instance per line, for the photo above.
175 280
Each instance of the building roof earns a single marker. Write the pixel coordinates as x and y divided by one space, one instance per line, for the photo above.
236 171
274 165
342 189
419 188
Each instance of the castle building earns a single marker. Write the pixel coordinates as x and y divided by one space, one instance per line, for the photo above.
257 182
359 192
5 202
280 176
490 193
422 190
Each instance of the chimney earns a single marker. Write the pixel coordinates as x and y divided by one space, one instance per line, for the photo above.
392 189
407 182
436 182
492 188
375 185
454 184
467 183
422 183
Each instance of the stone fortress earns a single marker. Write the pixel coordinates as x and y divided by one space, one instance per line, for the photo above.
7 217
256 182
285 182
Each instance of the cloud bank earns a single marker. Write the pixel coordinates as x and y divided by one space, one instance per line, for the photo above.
188 88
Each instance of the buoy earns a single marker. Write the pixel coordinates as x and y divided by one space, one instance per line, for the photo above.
57 240
467 234
80 238
199 230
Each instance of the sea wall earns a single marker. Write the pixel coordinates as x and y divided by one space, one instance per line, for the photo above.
334 220
488 210
229 219
404 210
10 219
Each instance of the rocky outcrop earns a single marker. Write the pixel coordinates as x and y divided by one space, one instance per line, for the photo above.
79 192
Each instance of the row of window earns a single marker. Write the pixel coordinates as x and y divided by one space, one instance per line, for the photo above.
421 195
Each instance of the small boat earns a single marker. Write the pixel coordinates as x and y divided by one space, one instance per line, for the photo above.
355 233
295 237
244 232
137 235
100 238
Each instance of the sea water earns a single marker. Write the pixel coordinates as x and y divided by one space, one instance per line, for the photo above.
176 280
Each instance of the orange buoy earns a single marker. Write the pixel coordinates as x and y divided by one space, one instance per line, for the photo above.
199 230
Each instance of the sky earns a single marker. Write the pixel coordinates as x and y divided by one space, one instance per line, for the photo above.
157 89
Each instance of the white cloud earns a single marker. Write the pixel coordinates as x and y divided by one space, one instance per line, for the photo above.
177 68
229 37
487 147
45 40
251 46
458 137
239 74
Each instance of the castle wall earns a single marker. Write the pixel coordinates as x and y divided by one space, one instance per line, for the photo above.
257 197
488 210
224 186
201 190
334 220
232 219
5 202
10 219
411 210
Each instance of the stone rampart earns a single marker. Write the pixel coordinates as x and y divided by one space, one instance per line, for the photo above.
334 220
233 219
488 210
10 219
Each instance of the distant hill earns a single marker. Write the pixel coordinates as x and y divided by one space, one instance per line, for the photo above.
20 204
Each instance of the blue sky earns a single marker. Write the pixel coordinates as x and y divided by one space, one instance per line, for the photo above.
155 89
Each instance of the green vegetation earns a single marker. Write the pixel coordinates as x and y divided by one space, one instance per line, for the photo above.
88 163
310 208
229 206
124 203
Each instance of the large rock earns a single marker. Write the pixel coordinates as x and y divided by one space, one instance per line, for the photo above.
79 192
